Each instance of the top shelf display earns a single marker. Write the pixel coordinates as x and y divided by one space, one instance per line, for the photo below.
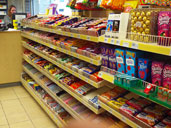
134 30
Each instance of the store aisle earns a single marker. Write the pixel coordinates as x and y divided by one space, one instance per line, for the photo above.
19 110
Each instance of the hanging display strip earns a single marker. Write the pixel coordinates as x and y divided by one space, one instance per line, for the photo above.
53 95
52 115
82 99
60 32
80 76
149 47
119 115
79 56
139 89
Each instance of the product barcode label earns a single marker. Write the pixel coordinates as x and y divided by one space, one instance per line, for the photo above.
106 40
88 37
112 41
78 36
125 44
118 42
134 45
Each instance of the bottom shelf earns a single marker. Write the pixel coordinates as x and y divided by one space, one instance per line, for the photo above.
42 104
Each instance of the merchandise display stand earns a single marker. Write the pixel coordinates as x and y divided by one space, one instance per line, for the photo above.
109 73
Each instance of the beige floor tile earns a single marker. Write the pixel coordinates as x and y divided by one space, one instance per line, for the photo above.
17 118
4 126
44 122
3 120
7 94
21 92
33 109
14 111
25 124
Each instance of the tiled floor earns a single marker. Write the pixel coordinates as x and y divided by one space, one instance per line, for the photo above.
19 110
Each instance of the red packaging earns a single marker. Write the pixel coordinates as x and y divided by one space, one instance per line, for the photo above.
156 110
147 118
167 120
138 103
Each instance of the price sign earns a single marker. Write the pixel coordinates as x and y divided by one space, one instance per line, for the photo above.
134 45
125 44
118 42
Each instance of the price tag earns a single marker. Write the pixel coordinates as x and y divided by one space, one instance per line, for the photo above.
110 111
118 42
88 37
123 118
51 46
106 40
91 60
134 45
125 44
72 35
77 55
78 36
112 41
100 74
170 52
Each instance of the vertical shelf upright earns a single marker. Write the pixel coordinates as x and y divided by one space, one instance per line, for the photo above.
3 10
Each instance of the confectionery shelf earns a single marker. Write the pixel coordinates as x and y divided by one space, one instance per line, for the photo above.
53 95
110 78
82 99
75 35
79 56
149 47
119 115
91 82
51 114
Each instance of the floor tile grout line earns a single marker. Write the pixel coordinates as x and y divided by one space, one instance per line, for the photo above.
4 113
25 109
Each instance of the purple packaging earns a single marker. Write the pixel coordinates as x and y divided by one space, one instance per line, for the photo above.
144 72
120 59
132 63
167 76
164 26
104 53
112 59
156 73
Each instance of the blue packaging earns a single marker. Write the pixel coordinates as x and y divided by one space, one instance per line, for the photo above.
144 69
120 59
